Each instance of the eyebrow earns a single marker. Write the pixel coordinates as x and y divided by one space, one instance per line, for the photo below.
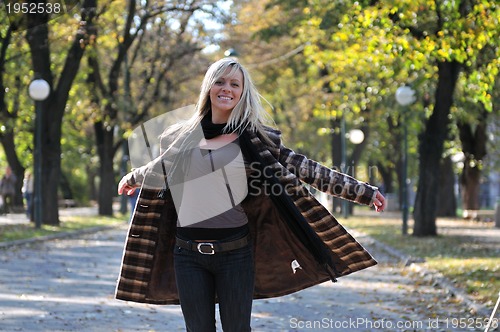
230 78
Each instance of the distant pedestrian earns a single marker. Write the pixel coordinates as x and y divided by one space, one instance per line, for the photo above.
8 189
27 190
133 201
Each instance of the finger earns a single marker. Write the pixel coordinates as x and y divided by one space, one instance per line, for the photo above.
121 187
380 200
131 191
379 204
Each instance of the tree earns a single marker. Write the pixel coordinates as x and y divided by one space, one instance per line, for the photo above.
472 124
9 107
463 31
53 107
473 139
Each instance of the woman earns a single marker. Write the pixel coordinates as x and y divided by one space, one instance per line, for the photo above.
206 235
27 190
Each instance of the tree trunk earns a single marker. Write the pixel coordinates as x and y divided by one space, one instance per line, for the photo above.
447 202
91 185
470 180
7 139
431 143
474 149
51 170
107 185
336 150
386 175
9 147
52 109
64 184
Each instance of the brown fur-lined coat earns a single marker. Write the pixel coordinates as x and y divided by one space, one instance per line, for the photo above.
283 264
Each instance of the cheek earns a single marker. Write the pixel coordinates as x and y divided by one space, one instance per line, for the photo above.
212 94
240 93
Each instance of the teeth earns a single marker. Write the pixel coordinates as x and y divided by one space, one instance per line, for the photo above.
225 98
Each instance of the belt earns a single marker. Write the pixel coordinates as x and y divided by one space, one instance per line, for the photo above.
210 248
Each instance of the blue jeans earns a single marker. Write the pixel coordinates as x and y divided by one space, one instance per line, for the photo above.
229 276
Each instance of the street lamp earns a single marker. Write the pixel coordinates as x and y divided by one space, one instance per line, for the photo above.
405 96
231 53
38 90
355 136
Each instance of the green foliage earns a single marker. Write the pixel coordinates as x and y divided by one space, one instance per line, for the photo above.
18 114
360 52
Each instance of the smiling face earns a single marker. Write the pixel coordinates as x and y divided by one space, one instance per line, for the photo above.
225 94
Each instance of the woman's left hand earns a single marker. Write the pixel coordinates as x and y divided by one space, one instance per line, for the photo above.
379 202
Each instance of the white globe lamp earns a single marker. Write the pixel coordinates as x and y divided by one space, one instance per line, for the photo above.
356 136
39 89
405 95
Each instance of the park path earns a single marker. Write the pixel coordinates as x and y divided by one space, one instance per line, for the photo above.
68 285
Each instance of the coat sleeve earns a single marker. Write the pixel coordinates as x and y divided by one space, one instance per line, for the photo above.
153 168
326 179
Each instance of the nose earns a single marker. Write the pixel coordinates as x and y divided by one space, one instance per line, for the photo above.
226 87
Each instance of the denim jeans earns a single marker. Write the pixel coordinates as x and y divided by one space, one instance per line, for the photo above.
229 276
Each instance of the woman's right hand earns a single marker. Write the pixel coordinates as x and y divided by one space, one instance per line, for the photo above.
124 186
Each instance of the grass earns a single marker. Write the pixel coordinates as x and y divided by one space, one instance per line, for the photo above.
472 265
67 224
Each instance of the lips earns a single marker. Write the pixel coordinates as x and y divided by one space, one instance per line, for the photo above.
225 98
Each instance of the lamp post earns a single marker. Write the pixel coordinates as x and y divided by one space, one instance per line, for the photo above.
343 161
38 90
355 136
405 96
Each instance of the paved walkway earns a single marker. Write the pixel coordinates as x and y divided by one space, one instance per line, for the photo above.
68 285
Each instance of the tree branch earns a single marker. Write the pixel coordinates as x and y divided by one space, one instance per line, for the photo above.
84 36
3 53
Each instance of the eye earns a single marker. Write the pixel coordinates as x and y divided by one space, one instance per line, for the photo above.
235 85
219 82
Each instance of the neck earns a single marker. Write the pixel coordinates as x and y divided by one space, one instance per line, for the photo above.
219 118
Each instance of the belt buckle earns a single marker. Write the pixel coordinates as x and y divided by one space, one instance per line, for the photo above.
201 251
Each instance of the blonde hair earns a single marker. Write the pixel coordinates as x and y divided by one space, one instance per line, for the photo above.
248 112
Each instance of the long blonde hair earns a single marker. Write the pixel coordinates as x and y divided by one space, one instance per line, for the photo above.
248 112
